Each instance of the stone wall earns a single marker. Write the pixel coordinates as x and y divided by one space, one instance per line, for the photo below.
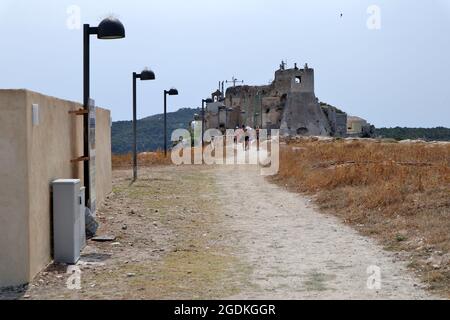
303 116
337 120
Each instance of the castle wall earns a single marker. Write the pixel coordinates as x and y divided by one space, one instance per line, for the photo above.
337 120
272 112
303 116
341 125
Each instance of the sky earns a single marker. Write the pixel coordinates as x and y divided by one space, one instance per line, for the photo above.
384 60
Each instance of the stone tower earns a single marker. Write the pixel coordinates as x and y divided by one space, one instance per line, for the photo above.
217 96
302 114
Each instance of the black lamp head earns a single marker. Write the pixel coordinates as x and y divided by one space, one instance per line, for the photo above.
173 92
208 101
111 28
148 75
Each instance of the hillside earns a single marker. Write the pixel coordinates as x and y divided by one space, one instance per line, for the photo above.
150 131
151 138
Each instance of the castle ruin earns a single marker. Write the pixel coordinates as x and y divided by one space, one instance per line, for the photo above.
289 103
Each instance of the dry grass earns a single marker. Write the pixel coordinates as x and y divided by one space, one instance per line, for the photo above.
399 193
144 159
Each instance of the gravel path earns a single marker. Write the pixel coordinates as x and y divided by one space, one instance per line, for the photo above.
298 253
221 233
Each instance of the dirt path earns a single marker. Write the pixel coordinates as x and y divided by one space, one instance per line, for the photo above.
298 253
220 233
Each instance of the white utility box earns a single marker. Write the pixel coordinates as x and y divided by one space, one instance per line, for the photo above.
68 220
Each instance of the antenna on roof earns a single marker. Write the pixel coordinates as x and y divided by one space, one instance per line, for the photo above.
234 81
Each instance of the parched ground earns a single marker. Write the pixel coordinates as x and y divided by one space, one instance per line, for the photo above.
199 232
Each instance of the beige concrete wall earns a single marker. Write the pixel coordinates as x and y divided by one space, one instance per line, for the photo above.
51 146
47 153
14 223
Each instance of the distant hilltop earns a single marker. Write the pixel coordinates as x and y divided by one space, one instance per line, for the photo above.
150 131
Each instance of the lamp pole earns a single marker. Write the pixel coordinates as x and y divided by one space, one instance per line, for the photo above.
145 75
165 123
134 128
203 122
244 122
218 117
171 92
108 29
227 110
86 96
204 101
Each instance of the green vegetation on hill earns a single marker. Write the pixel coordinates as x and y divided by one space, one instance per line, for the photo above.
150 131
151 137
433 134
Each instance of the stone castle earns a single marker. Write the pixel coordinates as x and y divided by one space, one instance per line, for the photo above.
289 103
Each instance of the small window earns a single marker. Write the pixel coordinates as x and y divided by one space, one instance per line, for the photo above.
298 80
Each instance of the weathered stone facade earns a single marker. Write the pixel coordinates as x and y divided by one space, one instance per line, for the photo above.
289 103
337 118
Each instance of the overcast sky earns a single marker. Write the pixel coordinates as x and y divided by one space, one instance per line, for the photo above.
398 74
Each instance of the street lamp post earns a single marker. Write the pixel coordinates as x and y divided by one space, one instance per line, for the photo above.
244 114
108 29
255 121
203 118
227 110
145 75
218 115
171 92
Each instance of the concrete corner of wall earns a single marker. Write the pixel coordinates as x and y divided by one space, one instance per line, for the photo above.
14 192
103 159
